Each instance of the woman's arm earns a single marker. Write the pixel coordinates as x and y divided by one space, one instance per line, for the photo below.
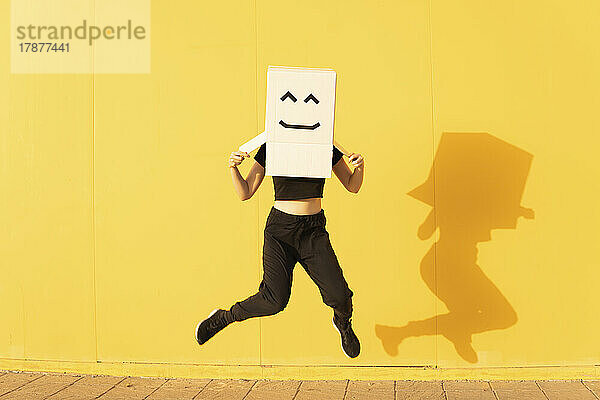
352 181
245 188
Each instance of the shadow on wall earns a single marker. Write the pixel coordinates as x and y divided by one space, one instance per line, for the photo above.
475 185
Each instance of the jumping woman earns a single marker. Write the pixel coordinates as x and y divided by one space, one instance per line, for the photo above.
294 232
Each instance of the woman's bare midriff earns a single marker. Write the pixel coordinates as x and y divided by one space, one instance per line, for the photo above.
299 207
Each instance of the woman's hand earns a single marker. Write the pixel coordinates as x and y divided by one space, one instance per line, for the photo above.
245 188
237 157
356 160
352 180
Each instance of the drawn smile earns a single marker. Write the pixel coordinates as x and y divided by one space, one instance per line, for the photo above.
308 127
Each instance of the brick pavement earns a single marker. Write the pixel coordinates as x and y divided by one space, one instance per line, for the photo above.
38 386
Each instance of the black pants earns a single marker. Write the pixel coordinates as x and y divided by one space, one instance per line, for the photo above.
290 239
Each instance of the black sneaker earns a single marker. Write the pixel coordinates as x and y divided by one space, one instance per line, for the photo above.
350 343
210 326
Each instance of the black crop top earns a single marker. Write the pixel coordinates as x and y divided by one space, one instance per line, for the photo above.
296 188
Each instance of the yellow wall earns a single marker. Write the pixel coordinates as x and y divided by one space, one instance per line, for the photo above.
120 228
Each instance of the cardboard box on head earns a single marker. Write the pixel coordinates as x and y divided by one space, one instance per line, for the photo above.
298 123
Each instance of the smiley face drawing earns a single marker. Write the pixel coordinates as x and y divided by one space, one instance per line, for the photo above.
308 98
299 121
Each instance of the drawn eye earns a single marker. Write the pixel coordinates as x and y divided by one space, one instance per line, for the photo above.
311 97
288 94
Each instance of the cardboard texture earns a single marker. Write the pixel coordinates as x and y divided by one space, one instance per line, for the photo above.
299 122
254 143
